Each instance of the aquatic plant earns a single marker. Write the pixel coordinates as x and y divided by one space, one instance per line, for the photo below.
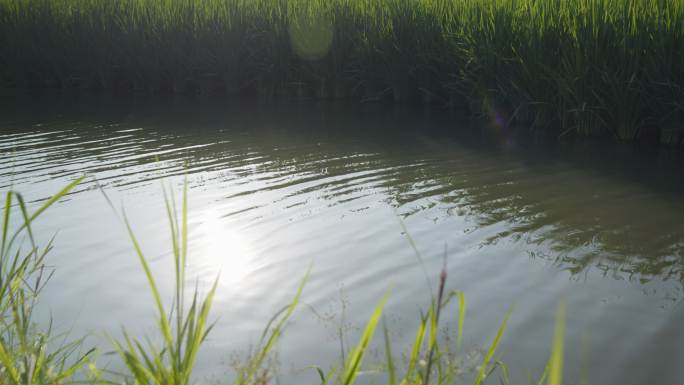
432 361
184 331
29 353
571 68
171 364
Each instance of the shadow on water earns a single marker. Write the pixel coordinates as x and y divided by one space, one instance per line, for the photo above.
610 209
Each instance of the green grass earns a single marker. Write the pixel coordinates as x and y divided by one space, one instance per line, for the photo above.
32 355
172 363
573 68
29 355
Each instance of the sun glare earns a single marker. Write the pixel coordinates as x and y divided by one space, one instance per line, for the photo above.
224 251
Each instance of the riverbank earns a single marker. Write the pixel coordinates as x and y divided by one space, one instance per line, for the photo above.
578 68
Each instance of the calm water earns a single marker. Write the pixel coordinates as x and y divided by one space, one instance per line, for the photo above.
276 189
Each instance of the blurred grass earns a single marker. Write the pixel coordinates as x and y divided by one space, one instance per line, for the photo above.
31 355
572 68
431 362
173 363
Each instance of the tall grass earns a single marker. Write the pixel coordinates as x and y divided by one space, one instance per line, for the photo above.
572 68
29 355
32 355
182 332
430 360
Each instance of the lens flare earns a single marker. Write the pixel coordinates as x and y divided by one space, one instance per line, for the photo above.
311 37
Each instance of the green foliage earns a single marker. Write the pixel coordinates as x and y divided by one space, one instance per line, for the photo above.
29 355
572 67
556 361
484 367
355 359
431 353
182 331
253 372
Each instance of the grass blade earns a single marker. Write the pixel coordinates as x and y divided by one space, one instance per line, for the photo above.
556 363
461 318
392 376
55 197
356 357
482 374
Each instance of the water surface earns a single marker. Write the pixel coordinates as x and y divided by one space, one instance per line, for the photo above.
276 189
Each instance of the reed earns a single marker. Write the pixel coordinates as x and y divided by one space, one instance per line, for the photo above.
571 68
182 331
431 361
185 326
31 355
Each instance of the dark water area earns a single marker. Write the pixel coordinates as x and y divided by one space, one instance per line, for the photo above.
277 188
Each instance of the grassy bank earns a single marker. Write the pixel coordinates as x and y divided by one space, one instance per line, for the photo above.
31 355
572 68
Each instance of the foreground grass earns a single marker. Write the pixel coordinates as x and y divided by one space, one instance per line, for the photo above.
30 355
572 67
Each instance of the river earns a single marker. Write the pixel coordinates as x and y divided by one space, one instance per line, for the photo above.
276 189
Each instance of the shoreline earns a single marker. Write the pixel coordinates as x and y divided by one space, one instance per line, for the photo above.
605 69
